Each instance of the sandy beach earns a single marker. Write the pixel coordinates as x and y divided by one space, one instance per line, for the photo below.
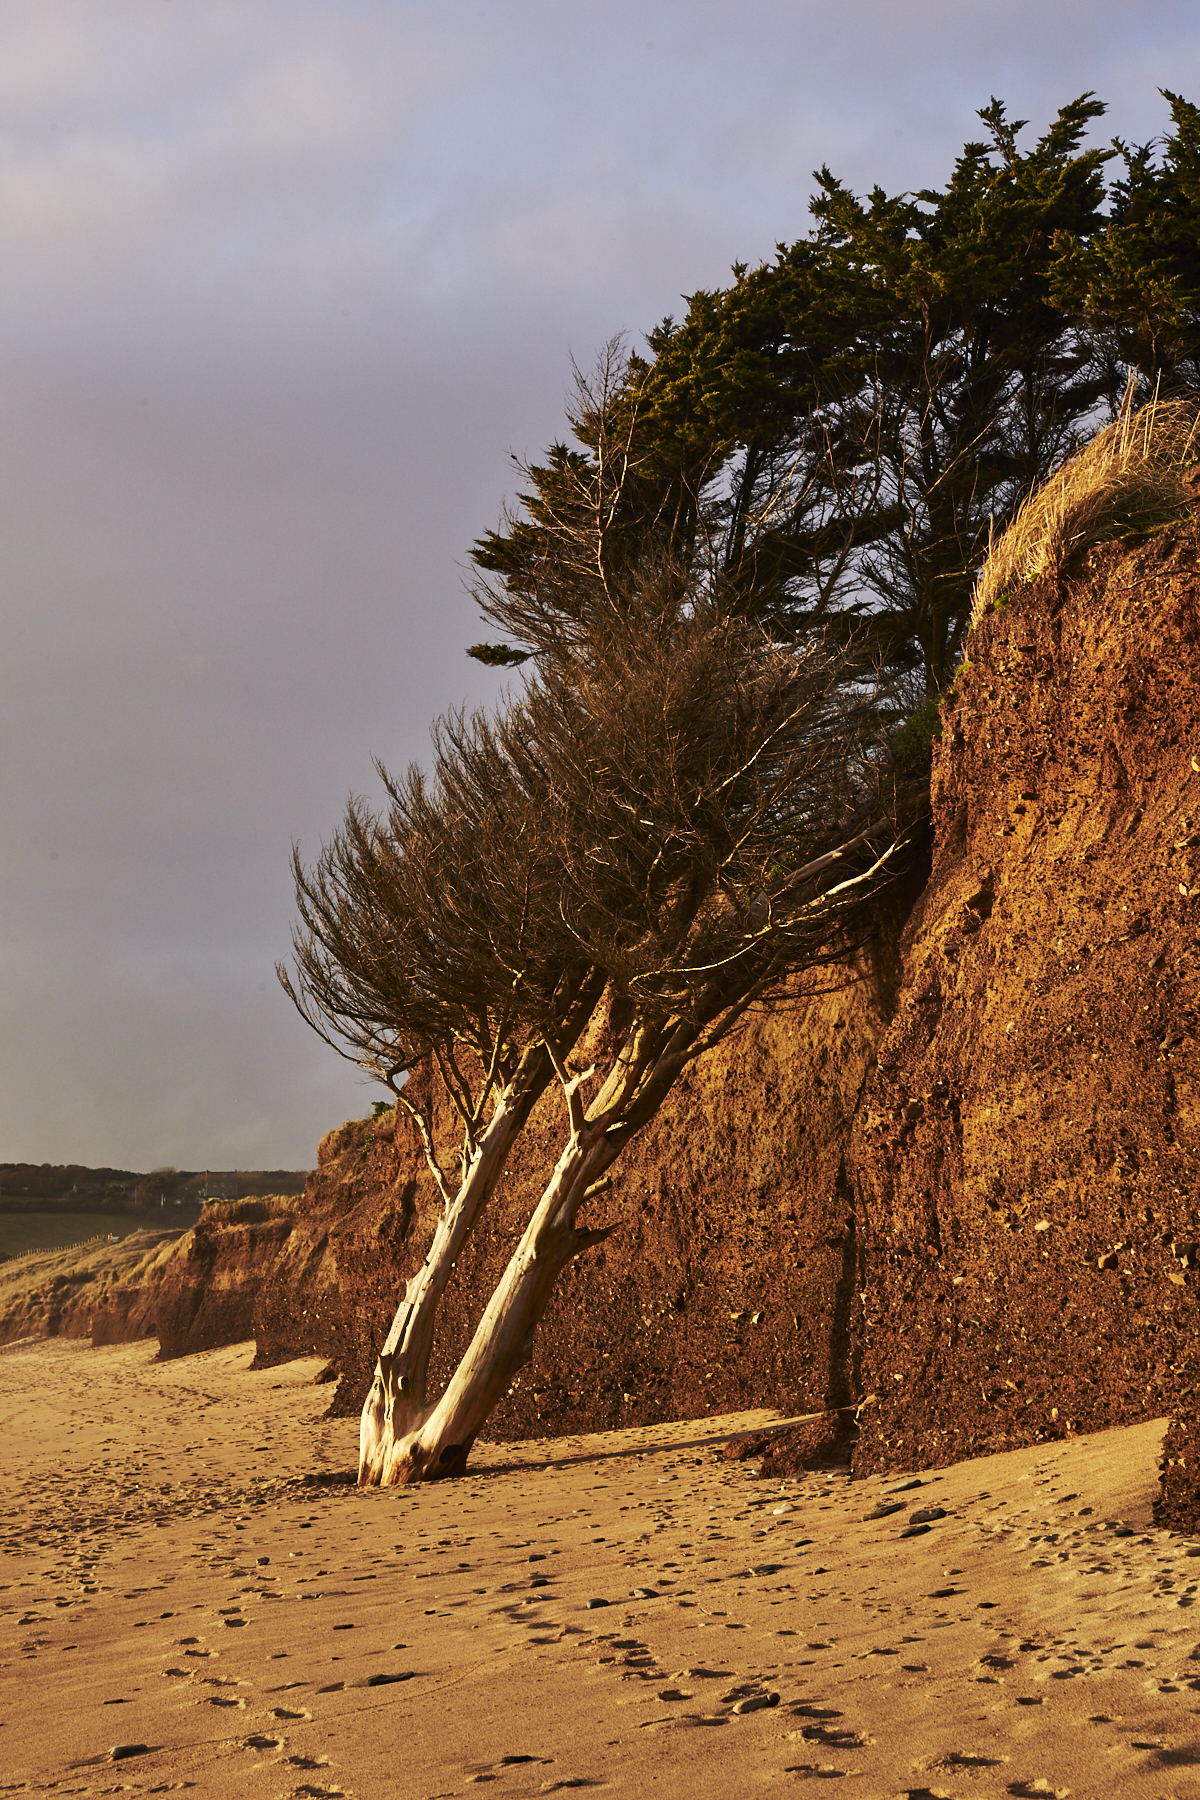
196 1597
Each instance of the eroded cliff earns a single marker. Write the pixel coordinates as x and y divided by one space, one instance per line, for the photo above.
1024 1159
959 1193
108 1292
726 1283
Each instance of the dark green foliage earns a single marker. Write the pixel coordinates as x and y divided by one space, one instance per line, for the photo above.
1136 282
836 436
498 656
913 743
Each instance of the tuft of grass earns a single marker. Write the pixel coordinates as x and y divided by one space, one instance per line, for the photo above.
1128 479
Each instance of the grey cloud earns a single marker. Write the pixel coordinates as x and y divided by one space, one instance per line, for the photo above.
285 283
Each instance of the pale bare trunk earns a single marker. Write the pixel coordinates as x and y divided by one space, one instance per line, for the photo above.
403 1437
439 1440
396 1405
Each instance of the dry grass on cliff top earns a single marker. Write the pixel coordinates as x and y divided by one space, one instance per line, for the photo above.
1128 478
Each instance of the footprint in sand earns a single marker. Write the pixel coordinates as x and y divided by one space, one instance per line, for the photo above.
284 1712
836 1737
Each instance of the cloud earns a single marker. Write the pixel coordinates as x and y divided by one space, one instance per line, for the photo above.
285 284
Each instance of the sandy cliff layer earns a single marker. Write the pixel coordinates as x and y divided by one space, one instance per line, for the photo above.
1024 1160
195 1289
108 1292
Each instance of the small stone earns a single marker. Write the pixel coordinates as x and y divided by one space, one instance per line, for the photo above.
120 1751
915 1530
643 1593
905 1487
755 1703
926 1514
595 1602
883 1510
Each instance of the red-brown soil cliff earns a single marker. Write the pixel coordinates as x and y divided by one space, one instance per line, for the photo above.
727 1282
1024 1160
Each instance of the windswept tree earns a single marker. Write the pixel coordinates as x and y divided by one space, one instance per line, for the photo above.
839 433
672 816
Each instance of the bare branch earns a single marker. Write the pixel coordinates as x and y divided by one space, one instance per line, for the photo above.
425 1133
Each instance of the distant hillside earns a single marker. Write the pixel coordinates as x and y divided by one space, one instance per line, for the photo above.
28 1187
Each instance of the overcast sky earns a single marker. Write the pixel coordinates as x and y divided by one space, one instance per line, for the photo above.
284 284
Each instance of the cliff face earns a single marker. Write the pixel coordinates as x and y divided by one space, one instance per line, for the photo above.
727 1282
207 1293
108 1292
1024 1160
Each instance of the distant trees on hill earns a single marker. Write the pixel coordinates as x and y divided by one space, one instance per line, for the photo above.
28 1184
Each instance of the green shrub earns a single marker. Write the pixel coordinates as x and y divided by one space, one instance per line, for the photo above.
913 743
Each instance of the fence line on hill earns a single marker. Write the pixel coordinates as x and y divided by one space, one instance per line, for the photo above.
99 1237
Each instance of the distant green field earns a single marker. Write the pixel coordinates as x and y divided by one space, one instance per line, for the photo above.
55 1230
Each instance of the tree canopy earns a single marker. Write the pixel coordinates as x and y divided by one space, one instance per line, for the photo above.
837 435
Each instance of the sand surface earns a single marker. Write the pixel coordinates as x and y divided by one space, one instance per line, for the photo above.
173 1588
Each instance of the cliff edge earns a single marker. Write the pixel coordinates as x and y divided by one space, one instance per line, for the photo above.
1024 1158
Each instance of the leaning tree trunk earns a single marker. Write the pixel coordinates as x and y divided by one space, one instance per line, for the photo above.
396 1402
403 1439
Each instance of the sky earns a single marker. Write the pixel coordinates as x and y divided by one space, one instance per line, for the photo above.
287 283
